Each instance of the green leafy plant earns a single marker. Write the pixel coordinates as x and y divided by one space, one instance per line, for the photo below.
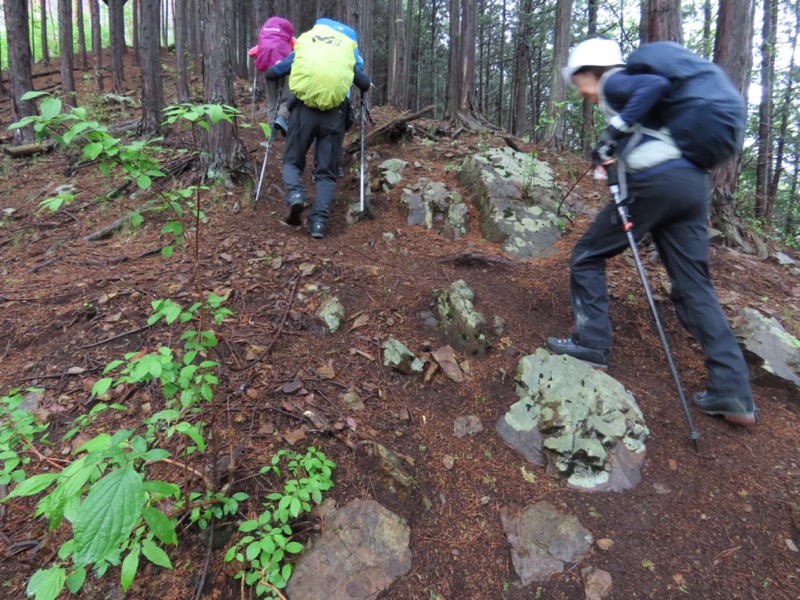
18 428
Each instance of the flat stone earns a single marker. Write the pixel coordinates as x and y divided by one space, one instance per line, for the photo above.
462 326
446 359
772 353
597 583
467 425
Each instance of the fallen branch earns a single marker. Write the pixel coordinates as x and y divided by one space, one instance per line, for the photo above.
404 118
43 264
468 259
90 262
115 337
29 149
107 231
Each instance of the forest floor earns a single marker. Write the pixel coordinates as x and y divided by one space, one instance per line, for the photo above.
712 523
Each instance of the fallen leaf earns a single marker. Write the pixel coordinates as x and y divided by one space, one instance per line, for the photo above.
326 371
293 437
277 263
430 371
351 423
354 351
306 269
226 257
678 578
673 464
292 386
361 320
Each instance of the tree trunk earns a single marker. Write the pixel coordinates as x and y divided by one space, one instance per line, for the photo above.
454 60
558 91
19 66
519 76
116 18
181 50
644 15
222 146
664 21
136 12
587 123
502 69
43 31
97 45
81 35
468 109
2 85
65 49
398 68
763 204
708 41
150 54
733 52
365 31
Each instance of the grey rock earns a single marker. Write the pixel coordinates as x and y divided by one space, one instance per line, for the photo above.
332 314
363 550
772 353
544 541
391 173
784 259
397 356
580 422
352 401
457 220
597 583
31 400
467 425
431 204
461 324
512 192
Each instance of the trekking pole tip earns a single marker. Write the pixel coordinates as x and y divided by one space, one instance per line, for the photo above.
695 437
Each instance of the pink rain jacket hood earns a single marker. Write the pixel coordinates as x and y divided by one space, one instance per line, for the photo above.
274 42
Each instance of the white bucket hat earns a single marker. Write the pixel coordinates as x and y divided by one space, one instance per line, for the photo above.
596 52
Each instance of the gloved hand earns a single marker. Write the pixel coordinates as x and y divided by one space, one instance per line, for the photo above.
607 145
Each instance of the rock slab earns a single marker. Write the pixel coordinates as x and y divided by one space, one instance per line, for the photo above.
772 353
363 550
461 324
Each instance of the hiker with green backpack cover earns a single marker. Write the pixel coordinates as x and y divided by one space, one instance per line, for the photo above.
322 68
671 116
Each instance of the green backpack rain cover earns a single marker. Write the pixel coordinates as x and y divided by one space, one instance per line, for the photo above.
322 71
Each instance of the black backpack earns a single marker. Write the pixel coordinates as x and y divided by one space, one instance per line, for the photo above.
703 110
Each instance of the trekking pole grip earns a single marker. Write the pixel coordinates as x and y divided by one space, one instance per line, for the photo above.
612 173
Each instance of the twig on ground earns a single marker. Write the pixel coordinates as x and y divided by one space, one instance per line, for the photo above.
115 337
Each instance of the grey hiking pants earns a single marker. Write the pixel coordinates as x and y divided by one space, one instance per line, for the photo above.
273 89
673 206
323 128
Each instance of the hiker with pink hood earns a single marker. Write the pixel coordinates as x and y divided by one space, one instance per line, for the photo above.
275 42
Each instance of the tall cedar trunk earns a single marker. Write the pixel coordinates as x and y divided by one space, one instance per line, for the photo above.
65 49
483 71
19 66
664 21
794 198
2 85
558 90
150 54
81 35
434 24
398 73
502 68
708 41
408 35
366 12
786 108
181 50
43 31
468 110
733 52
136 12
454 60
222 144
194 25
521 65
116 20
644 13
97 45
587 123
763 204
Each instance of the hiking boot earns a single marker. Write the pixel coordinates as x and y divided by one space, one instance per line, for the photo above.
282 126
595 357
297 203
734 409
316 229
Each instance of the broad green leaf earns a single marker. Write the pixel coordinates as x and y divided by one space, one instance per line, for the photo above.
160 525
144 182
253 550
294 507
155 554
266 129
75 580
161 488
92 150
50 108
33 485
32 95
248 526
102 386
111 509
46 585
294 547
129 567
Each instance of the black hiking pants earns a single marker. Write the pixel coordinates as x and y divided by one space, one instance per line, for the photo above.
673 206
323 129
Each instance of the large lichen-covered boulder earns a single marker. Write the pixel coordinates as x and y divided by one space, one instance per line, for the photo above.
772 352
584 424
363 550
433 205
512 192
462 326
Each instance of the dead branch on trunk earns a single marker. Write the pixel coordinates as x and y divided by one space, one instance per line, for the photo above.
29 149
398 124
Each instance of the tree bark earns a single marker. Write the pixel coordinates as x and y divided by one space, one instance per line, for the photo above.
398 68
97 45
19 67
558 91
150 53
43 31
664 21
81 35
135 14
733 52
522 60
65 48
763 204
708 41
116 20
181 50
454 60
587 123
468 109
222 146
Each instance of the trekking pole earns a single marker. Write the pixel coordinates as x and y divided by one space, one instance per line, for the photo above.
363 127
269 142
627 225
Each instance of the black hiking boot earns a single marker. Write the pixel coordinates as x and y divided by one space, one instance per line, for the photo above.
316 229
296 203
594 357
739 410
